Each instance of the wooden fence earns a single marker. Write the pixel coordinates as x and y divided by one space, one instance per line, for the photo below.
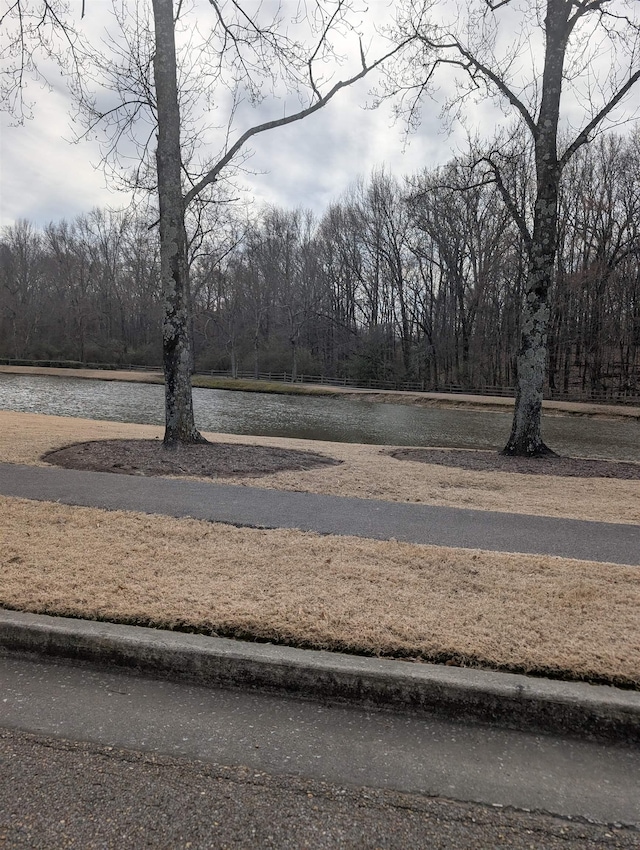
603 397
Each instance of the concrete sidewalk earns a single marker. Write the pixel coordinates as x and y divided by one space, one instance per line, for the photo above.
377 519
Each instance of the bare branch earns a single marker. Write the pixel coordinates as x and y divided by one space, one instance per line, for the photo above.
213 173
583 137
510 203
487 72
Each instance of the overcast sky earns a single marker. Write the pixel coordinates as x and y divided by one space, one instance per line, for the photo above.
45 177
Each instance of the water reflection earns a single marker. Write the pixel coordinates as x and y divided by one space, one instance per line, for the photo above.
310 417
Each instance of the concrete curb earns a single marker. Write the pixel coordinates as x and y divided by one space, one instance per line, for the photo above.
514 701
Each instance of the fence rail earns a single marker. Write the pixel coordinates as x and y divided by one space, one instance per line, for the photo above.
77 364
602 397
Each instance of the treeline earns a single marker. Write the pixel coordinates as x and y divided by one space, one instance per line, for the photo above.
417 281
87 290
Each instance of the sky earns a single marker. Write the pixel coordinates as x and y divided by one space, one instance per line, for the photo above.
45 177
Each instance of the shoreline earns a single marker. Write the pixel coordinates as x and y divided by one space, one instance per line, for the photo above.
467 401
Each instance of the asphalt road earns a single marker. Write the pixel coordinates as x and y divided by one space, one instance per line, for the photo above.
255 507
331 743
59 794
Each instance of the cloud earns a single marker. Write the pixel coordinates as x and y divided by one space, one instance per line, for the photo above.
306 164
312 162
44 176
309 163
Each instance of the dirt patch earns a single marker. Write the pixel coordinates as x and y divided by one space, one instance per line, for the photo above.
481 461
205 460
227 460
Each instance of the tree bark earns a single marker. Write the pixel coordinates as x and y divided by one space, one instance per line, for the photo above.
176 338
526 430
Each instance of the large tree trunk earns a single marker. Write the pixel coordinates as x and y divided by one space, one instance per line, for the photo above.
526 430
176 338
526 434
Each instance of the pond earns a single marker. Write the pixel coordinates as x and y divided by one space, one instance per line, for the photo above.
312 417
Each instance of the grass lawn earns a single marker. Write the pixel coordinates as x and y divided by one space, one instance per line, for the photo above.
525 613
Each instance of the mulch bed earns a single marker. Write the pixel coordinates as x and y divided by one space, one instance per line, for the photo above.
220 460
204 460
484 461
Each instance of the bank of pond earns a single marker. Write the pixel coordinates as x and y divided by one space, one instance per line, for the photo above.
316 418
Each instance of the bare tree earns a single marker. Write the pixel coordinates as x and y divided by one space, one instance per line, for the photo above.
468 229
176 337
592 340
21 276
245 49
583 54
90 288
33 34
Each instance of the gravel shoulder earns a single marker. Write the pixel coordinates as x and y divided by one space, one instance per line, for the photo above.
84 796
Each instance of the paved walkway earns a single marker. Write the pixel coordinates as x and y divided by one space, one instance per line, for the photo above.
256 507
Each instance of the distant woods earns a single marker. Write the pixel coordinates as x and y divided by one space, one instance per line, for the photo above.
417 280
